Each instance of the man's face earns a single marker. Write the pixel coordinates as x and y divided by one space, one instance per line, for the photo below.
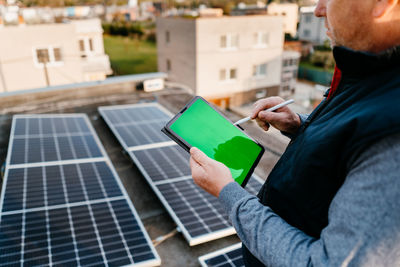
348 22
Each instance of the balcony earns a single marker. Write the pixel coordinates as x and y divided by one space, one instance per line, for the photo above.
97 63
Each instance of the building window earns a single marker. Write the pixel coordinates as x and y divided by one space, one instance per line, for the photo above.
168 65
260 70
261 39
285 62
57 54
308 18
290 62
51 56
232 74
86 47
81 46
42 55
167 37
306 33
229 41
228 74
91 45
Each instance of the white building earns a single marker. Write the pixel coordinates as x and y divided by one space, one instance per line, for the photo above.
290 68
33 56
290 13
311 28
228 60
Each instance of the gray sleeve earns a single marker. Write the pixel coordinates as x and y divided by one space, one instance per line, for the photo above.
364 218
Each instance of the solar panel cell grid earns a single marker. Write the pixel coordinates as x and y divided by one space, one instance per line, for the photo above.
45 139
199 212
56 185
229 257
164 163
137 125
50 126
136 115
85 235
142 134
46 149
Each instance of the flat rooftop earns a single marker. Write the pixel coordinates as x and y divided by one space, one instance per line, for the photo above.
175 250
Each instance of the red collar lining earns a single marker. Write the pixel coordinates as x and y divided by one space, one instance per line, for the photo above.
337 76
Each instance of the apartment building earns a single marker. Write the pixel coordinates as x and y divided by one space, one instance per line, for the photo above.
33 56
311 28
228 60
290 68
290 14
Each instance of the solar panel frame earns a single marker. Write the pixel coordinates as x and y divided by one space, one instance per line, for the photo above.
221 252
153 262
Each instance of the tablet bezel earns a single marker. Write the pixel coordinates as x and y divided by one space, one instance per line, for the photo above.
181 142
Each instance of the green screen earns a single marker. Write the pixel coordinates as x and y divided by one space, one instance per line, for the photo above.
202 127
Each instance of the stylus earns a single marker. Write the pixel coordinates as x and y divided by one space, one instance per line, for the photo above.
270 109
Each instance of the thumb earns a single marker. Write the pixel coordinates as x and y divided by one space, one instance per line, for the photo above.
199 156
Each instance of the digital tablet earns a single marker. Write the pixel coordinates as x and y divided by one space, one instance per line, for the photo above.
200 125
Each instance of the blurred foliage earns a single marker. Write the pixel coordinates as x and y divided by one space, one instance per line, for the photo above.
325 47
151 37
323 59
132 29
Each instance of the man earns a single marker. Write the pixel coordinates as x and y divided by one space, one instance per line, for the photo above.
333 199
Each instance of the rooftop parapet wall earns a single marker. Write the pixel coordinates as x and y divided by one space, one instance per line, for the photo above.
115 87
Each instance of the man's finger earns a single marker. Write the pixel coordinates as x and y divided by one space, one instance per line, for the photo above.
264 125
193 164
265 104
199 156
196 170
271 117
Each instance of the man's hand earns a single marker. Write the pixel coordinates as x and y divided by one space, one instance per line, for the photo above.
282 119
207 173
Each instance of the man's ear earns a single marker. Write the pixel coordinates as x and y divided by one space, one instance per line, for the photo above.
383 7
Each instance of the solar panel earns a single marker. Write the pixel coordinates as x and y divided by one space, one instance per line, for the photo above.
69 214
133 114
165 166
137 125
227 257
57 138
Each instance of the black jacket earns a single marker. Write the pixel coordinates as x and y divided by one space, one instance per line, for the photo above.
364 108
